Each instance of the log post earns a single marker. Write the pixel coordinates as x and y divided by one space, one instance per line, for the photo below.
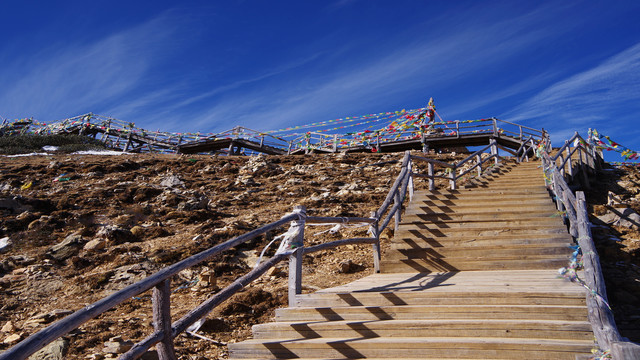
600 317
557 190
495 127
520 138
432 184
396 201
583 171
457 129
162 319
295 259
569 162
494 150
410 174
335 143
452 178
373 230
479 162
571 215
126 146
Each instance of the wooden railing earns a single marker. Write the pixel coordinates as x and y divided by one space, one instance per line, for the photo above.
453 176
311 141
559 172
165 331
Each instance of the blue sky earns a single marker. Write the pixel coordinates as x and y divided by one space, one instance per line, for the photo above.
210 65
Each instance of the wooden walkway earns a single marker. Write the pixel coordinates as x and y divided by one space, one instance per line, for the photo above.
471 274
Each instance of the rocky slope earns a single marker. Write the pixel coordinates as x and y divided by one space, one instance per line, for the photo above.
77 228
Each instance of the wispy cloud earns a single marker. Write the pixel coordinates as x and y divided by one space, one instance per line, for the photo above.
384 80
78 77
590 97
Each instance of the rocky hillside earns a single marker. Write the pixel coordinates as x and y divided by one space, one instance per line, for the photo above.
77 228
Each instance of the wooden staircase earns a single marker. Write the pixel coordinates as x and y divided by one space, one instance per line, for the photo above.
471 274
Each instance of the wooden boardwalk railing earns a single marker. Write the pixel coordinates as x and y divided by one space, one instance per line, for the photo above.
559 172
127 137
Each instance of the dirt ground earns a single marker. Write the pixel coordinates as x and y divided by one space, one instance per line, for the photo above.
82 227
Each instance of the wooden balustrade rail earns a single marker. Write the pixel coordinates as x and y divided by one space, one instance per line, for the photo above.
165 331
600 315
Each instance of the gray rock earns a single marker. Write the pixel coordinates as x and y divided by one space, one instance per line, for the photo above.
95 245
5 244
116 234
56 350
116 345
625 217
172 181
69 247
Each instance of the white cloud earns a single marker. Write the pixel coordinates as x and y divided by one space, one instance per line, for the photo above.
391 73
80 78
589 97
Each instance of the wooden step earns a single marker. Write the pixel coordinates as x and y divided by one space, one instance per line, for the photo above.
486 295
412 347
494 194
424 233
423 221
521 215
490 196
487 252
511 181
422 312
576 330
474 264
410 241
480 207
429 230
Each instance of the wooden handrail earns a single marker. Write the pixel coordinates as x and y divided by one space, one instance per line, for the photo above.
160 279
433 161
36 341
599 313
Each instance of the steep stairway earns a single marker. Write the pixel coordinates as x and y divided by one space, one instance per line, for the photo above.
470 274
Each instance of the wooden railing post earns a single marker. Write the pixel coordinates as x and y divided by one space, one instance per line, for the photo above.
479 161
373 230
335 142
557 190
295 259
601 318
452 178
494 151
162 319
457 129
583 170
569 162
410 174
520 138
396 201
432 183
495 127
